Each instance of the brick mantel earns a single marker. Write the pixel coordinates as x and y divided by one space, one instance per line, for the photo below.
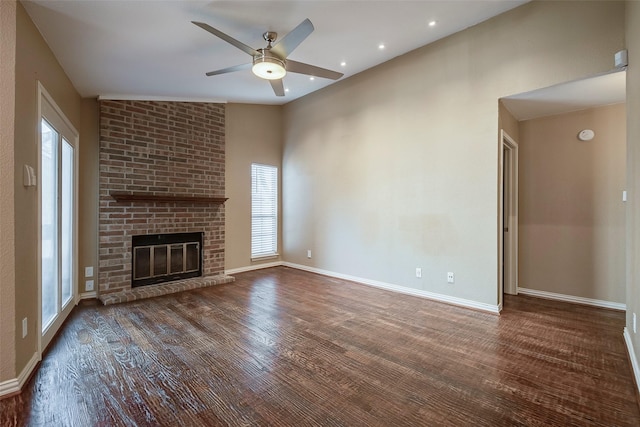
167 151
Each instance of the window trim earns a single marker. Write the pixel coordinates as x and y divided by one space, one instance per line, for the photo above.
272 173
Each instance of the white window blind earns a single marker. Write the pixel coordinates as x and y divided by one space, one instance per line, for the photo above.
264 210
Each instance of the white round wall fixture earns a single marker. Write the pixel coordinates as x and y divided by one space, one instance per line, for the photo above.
586 135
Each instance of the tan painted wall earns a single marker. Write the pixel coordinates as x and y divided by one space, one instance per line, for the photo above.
396 168
88 189
572 218
633 170
7 130
34 61
253 135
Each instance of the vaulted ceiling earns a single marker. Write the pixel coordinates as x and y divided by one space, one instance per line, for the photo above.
149 49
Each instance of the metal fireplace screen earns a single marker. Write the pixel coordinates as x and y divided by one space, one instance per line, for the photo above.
161 258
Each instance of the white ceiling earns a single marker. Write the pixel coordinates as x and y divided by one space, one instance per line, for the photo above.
605 89
149 49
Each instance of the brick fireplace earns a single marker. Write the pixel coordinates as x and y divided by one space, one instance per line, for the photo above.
161 172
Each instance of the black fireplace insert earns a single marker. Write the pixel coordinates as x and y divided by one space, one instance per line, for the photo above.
159 258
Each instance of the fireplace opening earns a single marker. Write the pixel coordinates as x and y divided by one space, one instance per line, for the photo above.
159 258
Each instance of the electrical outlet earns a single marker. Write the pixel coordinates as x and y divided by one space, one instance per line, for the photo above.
88 271
88 285
635 330
25 329
450 277
418 272
308 253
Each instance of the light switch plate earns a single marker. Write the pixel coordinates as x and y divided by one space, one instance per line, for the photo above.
29 176
88 271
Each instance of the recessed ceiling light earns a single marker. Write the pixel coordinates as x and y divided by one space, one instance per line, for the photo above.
312 78
286 90
342 64
381 46
432 23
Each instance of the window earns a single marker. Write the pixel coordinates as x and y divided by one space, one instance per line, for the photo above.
264 211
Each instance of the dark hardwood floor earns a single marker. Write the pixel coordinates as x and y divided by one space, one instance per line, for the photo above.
281 347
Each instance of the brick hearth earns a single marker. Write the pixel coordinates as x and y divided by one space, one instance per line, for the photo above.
159 149
163 289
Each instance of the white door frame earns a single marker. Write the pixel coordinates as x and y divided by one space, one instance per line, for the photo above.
48 108
508 250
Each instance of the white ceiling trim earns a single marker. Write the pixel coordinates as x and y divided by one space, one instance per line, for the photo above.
158 98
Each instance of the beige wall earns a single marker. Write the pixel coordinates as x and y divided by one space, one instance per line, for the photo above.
633 170
88 189
34 61
572 218
396 168
7 248
253 135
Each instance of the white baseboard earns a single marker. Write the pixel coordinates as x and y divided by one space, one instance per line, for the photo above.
15 385
88 295
632 357
253 267
572 299
401 289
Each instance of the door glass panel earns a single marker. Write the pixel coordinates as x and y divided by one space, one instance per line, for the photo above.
66 235
160 256
177 252
49 225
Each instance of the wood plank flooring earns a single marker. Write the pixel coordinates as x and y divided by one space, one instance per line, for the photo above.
282 347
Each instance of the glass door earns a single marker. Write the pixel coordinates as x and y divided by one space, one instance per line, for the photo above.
57 219
49 261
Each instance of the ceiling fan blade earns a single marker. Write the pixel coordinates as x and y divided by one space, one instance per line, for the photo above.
278 87
243 47
311 70
290 41
230 69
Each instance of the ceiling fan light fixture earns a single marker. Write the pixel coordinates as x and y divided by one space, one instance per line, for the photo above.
268 67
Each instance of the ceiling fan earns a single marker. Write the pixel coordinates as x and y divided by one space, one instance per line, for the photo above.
271 62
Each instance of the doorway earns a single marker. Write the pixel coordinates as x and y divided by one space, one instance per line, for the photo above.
607 88
57 207
508 213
